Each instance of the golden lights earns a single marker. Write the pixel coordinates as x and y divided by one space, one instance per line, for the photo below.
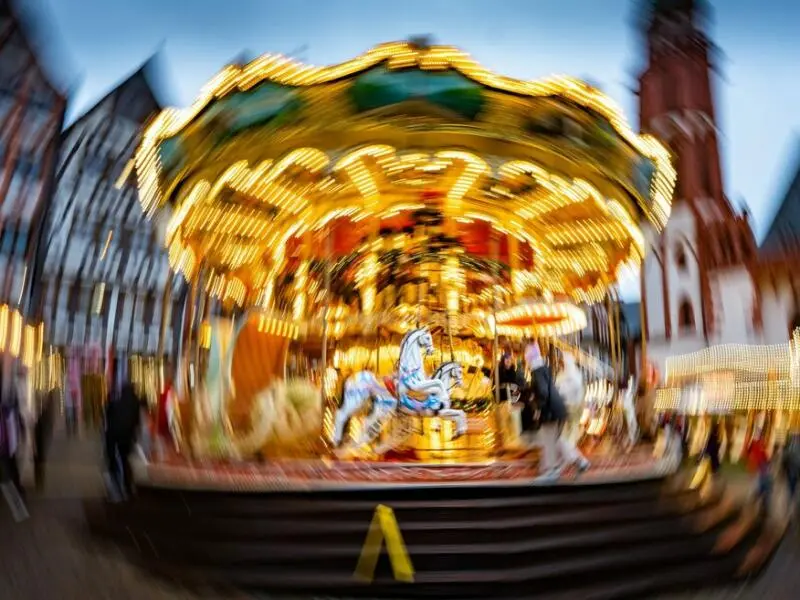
278 327
305 188
19 339
732 377
238 236
530 320
284 71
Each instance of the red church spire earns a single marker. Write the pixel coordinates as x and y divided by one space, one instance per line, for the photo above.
676 104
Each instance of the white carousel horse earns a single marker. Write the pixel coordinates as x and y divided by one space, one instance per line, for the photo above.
415 391
362 386
434 400
445 373
358 389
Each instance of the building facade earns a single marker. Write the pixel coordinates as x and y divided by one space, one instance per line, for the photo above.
105 272
721 315
31 118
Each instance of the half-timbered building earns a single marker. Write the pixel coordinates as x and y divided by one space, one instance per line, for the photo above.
31 119
106 281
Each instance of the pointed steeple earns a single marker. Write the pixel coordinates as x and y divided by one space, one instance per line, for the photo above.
655 12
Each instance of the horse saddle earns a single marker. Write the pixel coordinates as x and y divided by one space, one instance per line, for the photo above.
391 386
388 383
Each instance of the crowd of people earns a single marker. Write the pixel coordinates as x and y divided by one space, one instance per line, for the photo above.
783 464
125 412
527 382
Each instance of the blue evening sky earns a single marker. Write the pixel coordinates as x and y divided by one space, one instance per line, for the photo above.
758 97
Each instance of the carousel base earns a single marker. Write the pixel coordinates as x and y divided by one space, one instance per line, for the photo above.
625 529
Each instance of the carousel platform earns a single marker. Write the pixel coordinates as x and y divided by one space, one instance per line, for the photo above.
623 530
331 474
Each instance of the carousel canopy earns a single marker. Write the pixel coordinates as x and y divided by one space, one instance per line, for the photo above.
405 156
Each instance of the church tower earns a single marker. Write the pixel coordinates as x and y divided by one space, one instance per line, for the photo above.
705 236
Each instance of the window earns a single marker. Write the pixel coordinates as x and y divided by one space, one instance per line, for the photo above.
21 243
8 242
671 84
149 309
705 177
74 299
680 257
686 317
28 165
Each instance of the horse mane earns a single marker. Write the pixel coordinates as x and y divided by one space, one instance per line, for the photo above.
408 337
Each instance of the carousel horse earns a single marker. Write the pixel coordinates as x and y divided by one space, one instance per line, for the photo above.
413 393
445 373
358 389
417 393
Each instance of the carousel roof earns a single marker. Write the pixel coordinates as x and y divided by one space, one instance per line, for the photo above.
275 151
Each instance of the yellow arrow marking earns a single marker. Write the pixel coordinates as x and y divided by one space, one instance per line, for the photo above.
384 527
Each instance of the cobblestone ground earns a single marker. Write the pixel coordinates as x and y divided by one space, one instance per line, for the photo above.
50 555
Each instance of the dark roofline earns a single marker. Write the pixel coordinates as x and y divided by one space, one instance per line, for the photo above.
152 70
793 181
45 44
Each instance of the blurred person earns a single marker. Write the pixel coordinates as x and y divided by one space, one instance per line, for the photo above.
510 384
507 376
43 433
71 401
12 434
122 422
557 451
713 447
758 463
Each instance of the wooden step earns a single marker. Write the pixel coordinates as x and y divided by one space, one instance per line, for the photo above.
616 541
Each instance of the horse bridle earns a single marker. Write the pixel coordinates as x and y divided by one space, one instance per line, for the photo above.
440 370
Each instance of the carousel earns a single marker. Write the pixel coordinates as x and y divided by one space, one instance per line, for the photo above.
362 244
363 241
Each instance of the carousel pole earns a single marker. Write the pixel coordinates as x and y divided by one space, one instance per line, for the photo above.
643 334
619 326
184 368
495 341
450 338
618 321
378 352
166 314
203 315
325 309
612 347
495 248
